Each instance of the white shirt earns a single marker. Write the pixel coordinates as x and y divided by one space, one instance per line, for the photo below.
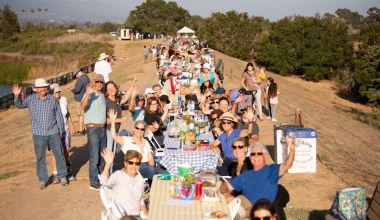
130 145
63 105
103 68
127 191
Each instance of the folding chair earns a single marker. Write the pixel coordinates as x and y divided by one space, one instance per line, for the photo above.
112 211
234 206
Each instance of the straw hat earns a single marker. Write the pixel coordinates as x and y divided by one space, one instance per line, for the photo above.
102 56
229 117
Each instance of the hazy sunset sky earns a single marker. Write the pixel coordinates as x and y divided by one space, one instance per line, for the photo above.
118 10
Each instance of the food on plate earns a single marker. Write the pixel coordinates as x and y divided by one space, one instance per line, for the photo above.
218 214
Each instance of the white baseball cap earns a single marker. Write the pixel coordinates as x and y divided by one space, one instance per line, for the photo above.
149 91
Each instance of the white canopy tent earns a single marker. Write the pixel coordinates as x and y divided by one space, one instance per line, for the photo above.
185 30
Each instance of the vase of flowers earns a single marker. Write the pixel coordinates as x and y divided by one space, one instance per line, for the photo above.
187 187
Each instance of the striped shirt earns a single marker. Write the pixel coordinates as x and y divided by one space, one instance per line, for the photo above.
45 114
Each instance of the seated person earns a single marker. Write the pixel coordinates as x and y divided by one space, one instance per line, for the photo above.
154 111
262 180
242 163
135 142
226 138
209 103
136 106
243 124
127 184
155 141
225 104
263 209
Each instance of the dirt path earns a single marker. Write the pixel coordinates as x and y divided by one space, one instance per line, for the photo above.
344 146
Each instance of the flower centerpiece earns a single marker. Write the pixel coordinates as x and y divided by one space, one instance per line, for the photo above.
187 187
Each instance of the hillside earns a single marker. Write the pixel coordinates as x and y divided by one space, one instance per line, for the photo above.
347 149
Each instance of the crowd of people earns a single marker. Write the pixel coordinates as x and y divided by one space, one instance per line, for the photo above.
187 72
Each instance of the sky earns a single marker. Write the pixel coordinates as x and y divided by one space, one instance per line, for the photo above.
118 10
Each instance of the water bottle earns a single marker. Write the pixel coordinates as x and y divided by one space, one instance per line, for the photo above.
198 189
179 100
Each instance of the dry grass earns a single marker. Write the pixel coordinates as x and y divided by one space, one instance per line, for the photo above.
82 37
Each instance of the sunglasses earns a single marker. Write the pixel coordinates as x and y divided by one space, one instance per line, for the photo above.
98 82
209 96
262 218
258 154
135 163
140 129
226 122
214 103
234 147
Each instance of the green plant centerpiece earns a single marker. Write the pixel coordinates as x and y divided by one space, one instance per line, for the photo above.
187 187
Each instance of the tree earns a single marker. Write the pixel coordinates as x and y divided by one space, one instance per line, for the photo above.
313 47
233 33
9 24
354 19
367 74
158 16
107 27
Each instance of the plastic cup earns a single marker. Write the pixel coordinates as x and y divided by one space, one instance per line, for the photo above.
184 169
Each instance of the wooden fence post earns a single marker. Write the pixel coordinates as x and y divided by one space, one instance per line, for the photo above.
298 117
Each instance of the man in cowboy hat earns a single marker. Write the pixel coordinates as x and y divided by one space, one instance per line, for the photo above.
102 67
47 128
79 91
230 132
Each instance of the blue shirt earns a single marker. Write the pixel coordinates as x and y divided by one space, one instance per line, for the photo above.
80 87
45 114
226 142
259 184
212 78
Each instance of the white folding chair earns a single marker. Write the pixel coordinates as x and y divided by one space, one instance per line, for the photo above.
112 210
234 206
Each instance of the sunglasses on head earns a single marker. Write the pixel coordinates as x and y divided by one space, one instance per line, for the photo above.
227 122
262 218
234 147
214 118
258 154
135 163
140 129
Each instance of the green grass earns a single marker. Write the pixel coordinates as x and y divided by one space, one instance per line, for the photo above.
37 43
13 71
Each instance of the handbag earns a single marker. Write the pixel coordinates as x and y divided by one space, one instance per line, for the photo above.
350 204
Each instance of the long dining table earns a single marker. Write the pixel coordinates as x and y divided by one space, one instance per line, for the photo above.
163 206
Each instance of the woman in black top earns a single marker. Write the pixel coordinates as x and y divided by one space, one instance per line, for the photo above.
153 110
243 163
113 101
